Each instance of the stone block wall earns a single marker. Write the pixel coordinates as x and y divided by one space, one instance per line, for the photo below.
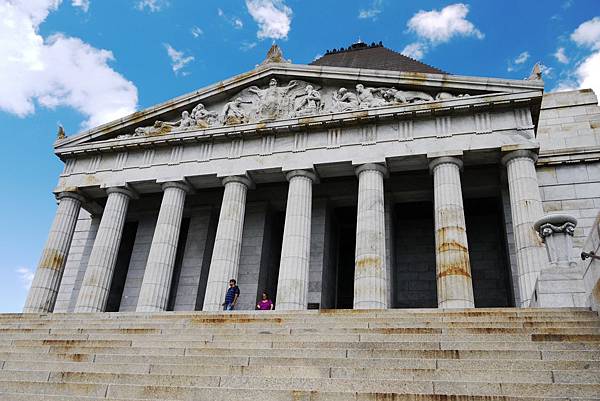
568 166
591 267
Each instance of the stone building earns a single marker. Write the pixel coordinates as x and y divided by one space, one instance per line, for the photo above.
365 179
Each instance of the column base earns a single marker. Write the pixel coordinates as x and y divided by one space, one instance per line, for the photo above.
456 304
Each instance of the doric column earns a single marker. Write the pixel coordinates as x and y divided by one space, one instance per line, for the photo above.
154 294
228 242
526 209
46 282
370 278
453 270
292 285
101 265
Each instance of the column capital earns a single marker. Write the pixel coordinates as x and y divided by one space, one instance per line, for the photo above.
70 194
122 190
555 223
242 179
184 186
301 173
519 154
445 160
372 166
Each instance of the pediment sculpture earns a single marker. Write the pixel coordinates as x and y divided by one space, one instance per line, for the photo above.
294 99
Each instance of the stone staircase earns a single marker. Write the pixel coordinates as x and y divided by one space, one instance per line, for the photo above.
345 355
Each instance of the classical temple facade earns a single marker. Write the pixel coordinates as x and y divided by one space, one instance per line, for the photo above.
363 180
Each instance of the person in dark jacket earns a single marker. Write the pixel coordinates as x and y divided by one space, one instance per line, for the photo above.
231 296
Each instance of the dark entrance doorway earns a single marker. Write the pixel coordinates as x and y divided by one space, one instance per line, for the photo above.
343 245
121 267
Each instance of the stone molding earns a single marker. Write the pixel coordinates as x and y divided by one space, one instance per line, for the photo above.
372 166
177 184
445 160
70 194
130 193
238 178
301 173
519 154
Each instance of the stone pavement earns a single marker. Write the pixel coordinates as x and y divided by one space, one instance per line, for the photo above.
360 355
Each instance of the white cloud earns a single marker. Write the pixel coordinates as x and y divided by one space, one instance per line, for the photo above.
545 70
586 73
234 21
196 31
152 5
521 58
560 56
57 70
588 34
178 59
83 4
373 11
26 276
415 50
272 16
441 26
247 46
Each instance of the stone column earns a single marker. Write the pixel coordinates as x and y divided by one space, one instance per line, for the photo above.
101 265
228 242
154 294
292 285
370 278
46 282
453 269
526 209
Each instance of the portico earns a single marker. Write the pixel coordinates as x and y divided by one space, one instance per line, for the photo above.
325 206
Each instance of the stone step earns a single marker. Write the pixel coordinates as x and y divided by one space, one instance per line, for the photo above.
197 376
348 386
318 369
292 395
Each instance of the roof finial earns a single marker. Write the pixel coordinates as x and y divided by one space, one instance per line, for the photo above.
536 73
61 132
274 55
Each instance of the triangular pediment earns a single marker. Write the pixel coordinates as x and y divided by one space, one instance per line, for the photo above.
282 91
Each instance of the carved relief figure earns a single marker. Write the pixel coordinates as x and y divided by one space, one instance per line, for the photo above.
397 96
233 113
204 118
367 98
159 128
344 100
271 99
310 103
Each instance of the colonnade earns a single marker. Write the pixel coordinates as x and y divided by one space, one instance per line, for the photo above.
454 283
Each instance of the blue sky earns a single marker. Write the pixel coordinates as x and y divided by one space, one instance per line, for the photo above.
82 62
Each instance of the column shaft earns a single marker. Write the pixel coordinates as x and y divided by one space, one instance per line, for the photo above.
101 265
46 282
292 285
453 269
526 209
370 278
154 294
228 242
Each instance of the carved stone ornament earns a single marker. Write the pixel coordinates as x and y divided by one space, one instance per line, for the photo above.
295 98
556 230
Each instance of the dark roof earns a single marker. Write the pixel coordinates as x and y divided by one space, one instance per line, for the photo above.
374 56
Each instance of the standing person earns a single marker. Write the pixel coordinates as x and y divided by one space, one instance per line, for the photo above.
265 303
232 295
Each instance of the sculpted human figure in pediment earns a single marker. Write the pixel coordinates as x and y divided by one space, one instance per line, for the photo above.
204 118
344 100
233 113
370 97
310 103
271 100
